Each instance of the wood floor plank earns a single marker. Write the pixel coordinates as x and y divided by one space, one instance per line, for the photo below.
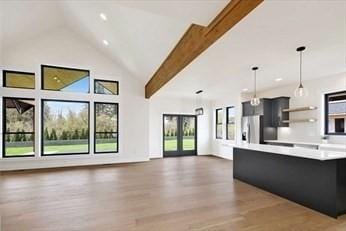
188 193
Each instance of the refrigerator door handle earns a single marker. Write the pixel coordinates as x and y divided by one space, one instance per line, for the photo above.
248 132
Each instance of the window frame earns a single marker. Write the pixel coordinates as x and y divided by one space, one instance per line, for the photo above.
4 72
63 68
4 128
42 127
326 115
227 122
216 123
95 132
106 80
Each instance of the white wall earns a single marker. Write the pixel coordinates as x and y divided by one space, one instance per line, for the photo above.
159 106
309 132
62 47
222 147
1 30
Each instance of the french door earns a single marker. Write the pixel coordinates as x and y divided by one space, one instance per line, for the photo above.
179 135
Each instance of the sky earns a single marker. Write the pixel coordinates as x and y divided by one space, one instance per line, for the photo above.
58 107
79 86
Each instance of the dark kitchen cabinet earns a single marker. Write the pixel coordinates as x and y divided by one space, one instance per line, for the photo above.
248 109
278 104
258 110
261 109
266 110
270 110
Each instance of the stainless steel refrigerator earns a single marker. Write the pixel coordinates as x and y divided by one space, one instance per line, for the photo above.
251 127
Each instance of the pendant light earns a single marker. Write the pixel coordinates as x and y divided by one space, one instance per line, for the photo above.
300 91
255 101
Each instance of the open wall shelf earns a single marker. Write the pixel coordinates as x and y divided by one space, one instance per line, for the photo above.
308 120
296 109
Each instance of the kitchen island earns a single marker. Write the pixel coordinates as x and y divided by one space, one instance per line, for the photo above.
313 178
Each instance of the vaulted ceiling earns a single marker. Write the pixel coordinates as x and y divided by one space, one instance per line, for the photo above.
140 33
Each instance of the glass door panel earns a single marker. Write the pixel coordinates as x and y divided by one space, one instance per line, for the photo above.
170 133
188 123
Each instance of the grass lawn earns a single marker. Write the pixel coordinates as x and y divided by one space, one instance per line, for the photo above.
106 147
188 144
56 149
16 151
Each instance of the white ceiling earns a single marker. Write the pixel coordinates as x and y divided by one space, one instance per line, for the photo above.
23 20
141 34
267 38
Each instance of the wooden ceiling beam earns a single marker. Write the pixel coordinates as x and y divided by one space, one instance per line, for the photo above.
196 40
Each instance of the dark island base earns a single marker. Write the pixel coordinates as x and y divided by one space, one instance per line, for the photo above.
319 185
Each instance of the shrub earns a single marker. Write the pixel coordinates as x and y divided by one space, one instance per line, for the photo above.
46 134
53 135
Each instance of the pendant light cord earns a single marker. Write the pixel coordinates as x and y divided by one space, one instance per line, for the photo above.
255 84
300 68
300 50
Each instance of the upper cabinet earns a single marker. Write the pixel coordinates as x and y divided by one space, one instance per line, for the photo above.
278 116
248 109
271 110
261 109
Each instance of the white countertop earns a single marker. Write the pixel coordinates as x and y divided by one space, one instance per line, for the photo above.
292 142
294 151
321 146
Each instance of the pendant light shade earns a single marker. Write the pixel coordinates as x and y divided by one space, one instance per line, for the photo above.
300 91
255 101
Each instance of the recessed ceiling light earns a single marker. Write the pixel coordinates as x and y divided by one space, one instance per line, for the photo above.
105 42
278 79
245 89
103 16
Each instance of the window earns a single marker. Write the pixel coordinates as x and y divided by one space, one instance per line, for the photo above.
335 113
65 79
106 127
106 87
230 123
219 123
18 79
65 127
199 111
18 127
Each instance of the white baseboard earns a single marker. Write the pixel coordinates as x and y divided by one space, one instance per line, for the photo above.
63 161
224 156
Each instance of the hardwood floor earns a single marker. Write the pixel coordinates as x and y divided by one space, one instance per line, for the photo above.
188 193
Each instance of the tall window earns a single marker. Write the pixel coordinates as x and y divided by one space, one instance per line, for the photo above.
65 128
106 87
230 123
335 113
17 79
106 127
219 123
65 79
18 127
